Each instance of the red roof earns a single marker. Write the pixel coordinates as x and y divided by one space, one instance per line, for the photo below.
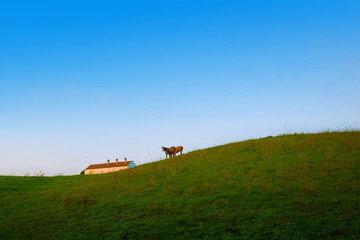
105 165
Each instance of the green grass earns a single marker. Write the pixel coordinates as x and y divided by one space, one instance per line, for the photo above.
300 186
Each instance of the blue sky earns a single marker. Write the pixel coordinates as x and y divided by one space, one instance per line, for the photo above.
83 81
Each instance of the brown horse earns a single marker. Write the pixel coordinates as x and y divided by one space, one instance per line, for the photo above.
171 151
179 149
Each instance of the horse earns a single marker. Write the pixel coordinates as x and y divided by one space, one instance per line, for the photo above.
170 151
179 149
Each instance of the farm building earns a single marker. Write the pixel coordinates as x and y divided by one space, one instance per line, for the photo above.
109 167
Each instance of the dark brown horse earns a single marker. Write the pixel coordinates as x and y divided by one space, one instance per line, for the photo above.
179 149
171 151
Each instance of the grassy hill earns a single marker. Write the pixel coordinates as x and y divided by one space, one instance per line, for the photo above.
301 186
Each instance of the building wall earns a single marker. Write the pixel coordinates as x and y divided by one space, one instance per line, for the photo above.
132 164
104 170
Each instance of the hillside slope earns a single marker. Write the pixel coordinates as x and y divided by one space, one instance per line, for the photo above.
301 186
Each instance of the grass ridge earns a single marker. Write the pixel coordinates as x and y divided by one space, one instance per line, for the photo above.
297 186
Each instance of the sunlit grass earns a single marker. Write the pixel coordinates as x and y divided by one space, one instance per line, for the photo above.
299 186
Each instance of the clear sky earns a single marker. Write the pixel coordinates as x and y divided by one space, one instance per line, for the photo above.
86 81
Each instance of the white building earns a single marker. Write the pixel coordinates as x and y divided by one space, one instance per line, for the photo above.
109 167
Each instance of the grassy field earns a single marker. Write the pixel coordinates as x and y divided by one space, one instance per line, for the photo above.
300 186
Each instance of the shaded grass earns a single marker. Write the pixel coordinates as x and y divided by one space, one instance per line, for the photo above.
300 186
